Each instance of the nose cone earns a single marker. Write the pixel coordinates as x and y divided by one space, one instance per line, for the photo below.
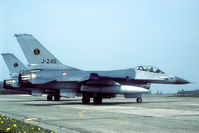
181 81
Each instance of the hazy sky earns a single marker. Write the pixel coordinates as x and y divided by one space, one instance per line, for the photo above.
109 34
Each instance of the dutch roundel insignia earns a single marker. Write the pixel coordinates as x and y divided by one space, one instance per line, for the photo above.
36 51
64 73
15 65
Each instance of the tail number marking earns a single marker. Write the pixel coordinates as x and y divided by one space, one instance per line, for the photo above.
48 61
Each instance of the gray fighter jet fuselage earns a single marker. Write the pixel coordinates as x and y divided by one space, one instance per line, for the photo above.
131 82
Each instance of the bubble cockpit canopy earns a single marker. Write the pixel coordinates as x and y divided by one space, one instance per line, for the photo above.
149 69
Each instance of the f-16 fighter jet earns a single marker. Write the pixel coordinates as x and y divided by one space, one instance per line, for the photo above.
50 73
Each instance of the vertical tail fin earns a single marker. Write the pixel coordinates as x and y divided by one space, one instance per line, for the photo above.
37 54
13 63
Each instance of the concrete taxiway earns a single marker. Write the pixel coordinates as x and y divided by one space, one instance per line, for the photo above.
156 114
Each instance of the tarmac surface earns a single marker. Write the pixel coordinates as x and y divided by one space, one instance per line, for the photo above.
157 114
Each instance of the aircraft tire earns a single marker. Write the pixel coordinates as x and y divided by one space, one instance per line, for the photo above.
57 98
49 97
97 100
85 100
139 100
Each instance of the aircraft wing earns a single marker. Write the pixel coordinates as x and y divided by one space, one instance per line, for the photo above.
91 81
95 79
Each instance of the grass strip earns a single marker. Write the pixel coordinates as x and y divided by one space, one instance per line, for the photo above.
184 95
10 125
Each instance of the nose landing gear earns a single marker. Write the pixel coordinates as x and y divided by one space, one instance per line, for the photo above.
139 100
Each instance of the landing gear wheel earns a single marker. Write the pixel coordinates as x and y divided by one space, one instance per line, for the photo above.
57 98
49 97
139 100
85 100
97 100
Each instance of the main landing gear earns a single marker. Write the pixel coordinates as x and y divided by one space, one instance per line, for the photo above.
96 100
139 100
85 100
56 98
49 97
